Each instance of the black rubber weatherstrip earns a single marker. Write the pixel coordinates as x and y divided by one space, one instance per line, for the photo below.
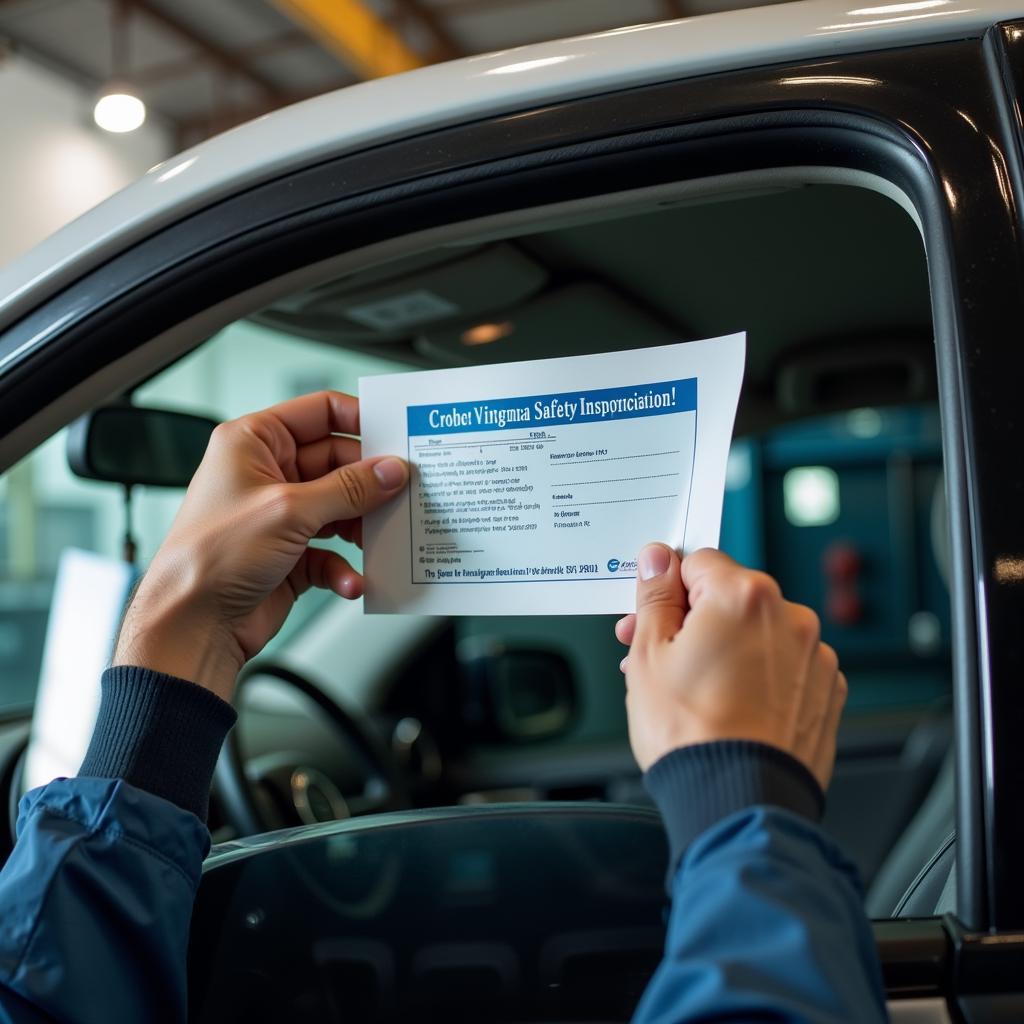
241 243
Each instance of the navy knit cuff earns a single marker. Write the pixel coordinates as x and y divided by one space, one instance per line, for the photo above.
696 787
159 733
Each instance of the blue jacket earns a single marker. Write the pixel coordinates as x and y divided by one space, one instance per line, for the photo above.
766 919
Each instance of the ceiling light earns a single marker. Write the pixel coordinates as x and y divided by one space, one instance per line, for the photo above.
864 423
118 110
810 495
484 334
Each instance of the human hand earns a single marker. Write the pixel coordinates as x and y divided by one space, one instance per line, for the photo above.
716 652
237 555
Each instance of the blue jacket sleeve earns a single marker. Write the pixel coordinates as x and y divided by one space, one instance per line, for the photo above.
97 899
97 896
767 920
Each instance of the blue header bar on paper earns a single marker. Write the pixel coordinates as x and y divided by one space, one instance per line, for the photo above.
658 399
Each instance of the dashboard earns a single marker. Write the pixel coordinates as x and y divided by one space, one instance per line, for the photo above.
524 912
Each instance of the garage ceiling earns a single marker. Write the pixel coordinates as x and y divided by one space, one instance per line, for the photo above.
205 65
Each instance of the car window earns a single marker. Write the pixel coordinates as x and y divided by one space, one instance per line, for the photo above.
835 481
834 485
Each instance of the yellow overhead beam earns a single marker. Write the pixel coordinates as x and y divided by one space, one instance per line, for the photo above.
370 46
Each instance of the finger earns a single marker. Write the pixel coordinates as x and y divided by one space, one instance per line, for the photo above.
350 531
322 457
825 758
702 565
315 416
348 492
660 600
326 570
805 624
624 665
712 575
625 628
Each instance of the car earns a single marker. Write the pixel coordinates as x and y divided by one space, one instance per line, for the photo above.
441 817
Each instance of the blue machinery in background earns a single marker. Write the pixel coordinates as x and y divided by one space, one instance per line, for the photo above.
847 512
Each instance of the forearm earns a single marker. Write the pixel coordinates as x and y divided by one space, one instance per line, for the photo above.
98 892
767 919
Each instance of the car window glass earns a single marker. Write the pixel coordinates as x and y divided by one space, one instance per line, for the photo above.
835 482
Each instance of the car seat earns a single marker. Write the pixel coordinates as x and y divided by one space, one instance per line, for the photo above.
918 878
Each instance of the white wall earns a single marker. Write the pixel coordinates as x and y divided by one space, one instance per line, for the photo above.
54 162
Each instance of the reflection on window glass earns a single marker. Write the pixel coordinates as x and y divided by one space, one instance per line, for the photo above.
810 495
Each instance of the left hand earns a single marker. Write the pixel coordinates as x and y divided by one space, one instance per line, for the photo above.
237 556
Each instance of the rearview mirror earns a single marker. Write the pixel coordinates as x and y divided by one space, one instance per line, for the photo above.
124 444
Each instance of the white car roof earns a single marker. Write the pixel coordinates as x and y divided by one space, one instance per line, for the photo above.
432 97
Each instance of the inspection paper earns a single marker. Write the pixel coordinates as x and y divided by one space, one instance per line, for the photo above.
535 484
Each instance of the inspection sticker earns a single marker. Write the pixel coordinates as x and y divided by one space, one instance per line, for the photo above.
535 484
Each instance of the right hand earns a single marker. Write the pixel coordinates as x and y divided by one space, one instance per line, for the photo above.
716 652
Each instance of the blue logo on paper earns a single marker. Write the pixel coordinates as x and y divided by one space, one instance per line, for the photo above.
613 565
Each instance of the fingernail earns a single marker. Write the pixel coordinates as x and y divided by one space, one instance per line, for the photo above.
654 560
391 473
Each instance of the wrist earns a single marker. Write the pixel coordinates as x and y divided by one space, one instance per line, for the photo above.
167 629
159 734
696 787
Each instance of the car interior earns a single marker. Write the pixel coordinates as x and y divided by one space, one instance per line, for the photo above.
835 486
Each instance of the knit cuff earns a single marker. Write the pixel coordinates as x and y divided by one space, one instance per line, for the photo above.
695 787
159 733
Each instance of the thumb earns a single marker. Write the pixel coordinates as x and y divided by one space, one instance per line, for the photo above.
351 491
660 600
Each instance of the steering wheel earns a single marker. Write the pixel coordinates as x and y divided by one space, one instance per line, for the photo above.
384 789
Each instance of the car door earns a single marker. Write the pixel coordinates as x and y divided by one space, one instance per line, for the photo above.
931 125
